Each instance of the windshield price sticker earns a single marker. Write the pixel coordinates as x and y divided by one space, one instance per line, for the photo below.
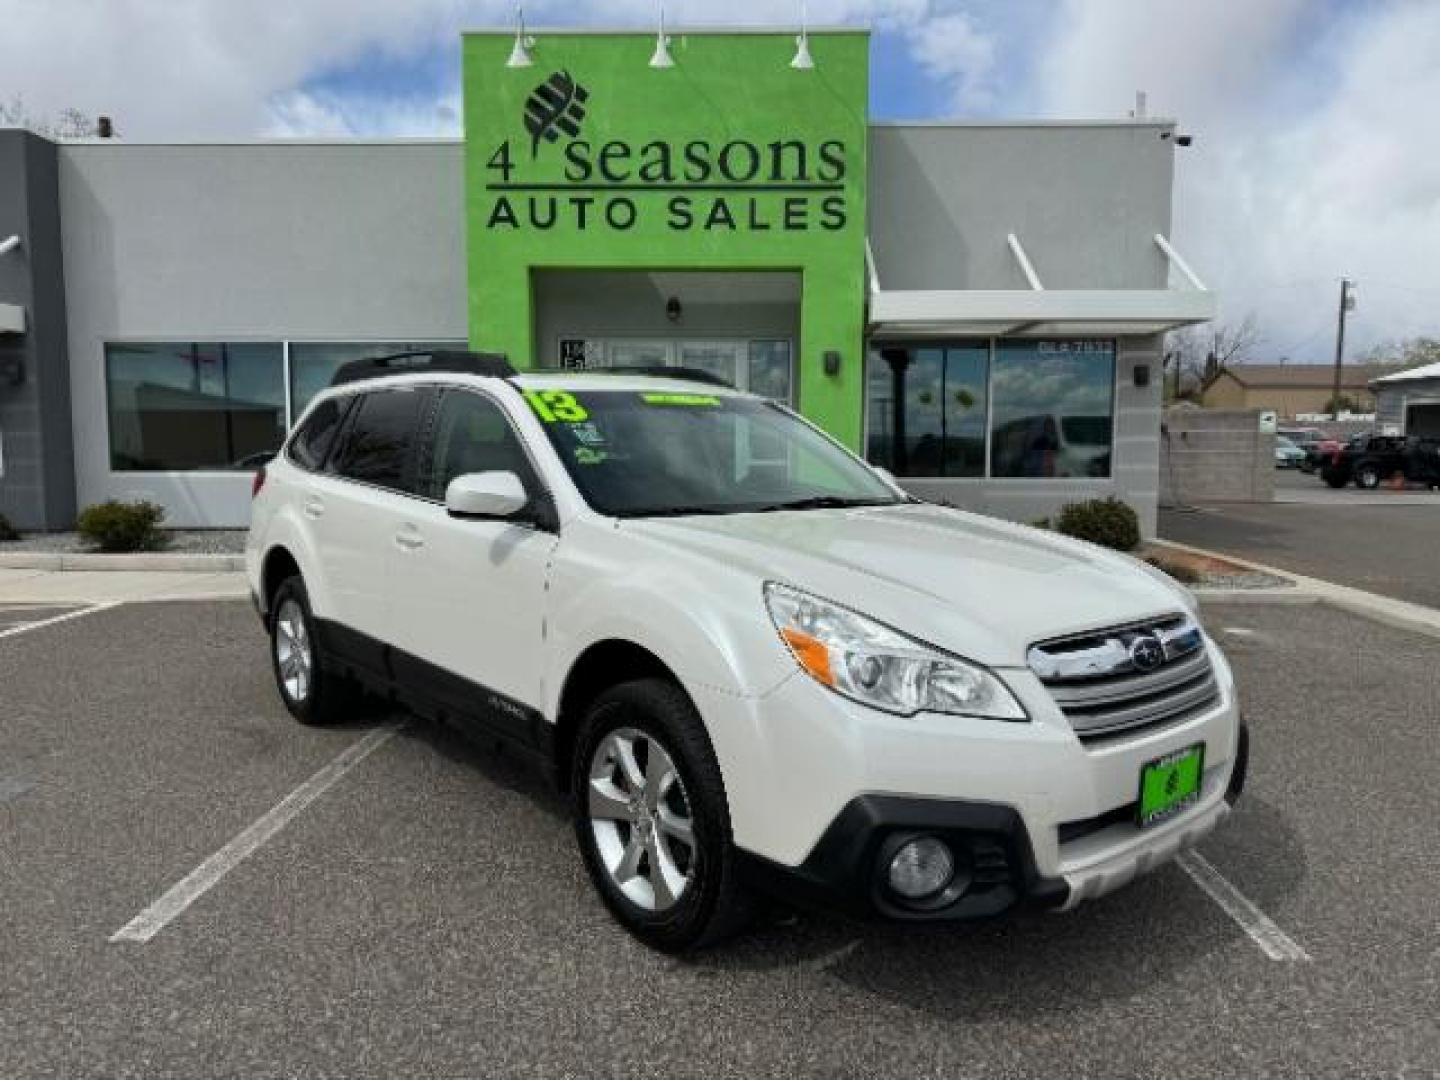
556 405
680 399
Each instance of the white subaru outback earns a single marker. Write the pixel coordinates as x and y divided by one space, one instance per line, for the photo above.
754 663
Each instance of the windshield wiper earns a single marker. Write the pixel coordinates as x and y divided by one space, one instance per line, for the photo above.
675 511
823 502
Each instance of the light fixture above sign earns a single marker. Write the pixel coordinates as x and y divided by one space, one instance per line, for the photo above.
803 60
661 57
520 55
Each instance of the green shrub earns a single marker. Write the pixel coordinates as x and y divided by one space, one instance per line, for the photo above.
1107 522
118 526
7 531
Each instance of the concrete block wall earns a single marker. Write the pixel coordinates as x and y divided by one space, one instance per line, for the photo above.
1215 455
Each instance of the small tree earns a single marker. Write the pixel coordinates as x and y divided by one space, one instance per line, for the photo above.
69 123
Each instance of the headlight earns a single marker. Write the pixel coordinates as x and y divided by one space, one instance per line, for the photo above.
867 661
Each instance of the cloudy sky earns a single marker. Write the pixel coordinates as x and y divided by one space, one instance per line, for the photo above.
1316 122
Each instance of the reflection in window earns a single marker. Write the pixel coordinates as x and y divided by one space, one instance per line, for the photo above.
770 370
194 405
927 409
1053 408
314 363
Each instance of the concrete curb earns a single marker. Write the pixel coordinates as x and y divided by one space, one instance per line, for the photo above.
1400 614
156 561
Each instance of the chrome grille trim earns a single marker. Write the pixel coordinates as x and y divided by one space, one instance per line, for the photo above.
1102 689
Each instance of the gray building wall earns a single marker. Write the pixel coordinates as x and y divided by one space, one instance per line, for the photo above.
249 242
1411 407
1085 200
365 240
1216 455
37 490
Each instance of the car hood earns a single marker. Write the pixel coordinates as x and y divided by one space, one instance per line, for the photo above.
981 588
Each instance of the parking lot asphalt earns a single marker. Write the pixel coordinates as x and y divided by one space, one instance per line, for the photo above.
428 914
1388 548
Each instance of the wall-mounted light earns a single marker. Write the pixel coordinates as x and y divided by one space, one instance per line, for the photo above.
832 362
803 60
1142 375
520 55
673 310
661 57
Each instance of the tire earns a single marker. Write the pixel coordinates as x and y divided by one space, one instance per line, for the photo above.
1335 478
313 694
1367 475
674 895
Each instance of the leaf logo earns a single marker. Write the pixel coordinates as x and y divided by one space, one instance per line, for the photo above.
555 107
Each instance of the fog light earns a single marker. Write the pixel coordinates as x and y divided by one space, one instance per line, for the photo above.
921 868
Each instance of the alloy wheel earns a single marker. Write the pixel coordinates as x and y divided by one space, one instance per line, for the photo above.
641 820
293 655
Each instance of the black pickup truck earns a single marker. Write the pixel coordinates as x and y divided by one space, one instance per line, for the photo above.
1371 460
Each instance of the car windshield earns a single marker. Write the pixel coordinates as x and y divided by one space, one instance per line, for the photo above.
643 453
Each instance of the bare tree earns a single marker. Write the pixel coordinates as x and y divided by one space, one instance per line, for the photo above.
1195 354
67 123
1405 352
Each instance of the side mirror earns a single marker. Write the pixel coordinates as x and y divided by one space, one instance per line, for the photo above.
486 495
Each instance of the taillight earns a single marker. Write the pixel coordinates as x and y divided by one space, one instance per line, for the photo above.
258 482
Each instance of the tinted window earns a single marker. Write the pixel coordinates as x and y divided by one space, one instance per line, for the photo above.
378 445
194 405
1052 408
938 427
470 435
315 438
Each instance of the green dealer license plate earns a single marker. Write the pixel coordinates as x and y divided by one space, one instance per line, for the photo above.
1171 783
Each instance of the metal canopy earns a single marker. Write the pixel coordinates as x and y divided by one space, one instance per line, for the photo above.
1038 311
12 319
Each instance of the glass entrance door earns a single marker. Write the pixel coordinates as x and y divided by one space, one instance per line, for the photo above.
757 365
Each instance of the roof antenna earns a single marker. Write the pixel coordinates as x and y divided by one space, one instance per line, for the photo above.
662 57
803 60
520 55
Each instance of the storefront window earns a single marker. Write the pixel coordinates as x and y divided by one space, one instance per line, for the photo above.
314 363
770 369
194 405
1053 411
938 428
1048 403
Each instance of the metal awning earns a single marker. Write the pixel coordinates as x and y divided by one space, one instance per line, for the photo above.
1038 311
12 319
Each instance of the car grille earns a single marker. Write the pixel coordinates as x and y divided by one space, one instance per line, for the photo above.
1128 678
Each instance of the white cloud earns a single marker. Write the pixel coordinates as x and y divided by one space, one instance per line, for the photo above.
953 49
1314 149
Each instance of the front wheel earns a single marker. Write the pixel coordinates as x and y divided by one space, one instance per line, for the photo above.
651 818
1367 475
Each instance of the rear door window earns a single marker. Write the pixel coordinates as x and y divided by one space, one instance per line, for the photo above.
380 442
316 436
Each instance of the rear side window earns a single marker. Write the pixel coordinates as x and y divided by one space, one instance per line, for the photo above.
312 442
381 437
470 435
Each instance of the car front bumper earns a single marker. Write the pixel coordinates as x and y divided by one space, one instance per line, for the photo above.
821 790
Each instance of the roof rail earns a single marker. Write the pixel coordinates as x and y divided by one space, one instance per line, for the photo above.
421 362
660 371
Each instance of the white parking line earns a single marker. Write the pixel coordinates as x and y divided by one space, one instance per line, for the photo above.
24 627
1273 942
204 877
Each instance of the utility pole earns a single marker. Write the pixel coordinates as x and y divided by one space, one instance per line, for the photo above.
1347 303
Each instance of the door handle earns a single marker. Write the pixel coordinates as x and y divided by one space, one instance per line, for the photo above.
409 538
314 508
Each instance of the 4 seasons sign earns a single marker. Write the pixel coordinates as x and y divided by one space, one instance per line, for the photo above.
706 184
591 160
